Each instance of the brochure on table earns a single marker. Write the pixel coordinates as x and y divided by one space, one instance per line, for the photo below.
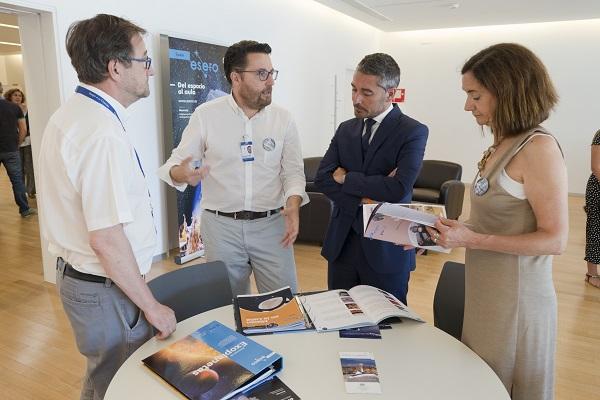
214 362
362 305
271 312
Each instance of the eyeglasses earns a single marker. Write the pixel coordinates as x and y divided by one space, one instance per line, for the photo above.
146 60
263 74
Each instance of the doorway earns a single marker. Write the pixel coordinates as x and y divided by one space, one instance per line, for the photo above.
35 30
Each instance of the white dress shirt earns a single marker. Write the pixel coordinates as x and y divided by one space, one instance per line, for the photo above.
377 120
214 135
90 179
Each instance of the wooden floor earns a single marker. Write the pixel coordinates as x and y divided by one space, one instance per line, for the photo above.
39 360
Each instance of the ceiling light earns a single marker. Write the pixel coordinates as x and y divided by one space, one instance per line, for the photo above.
11 44
9 26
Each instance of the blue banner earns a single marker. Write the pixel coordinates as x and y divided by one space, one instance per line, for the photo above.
196 76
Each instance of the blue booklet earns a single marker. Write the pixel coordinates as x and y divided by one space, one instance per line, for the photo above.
214 363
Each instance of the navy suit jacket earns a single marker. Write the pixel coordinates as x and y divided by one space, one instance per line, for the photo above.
399 143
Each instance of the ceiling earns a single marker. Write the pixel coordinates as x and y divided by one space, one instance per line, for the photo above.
408 15
8 34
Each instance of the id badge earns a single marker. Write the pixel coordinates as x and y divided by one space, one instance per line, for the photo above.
247 151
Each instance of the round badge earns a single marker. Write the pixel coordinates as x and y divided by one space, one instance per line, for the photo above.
481 186
269 144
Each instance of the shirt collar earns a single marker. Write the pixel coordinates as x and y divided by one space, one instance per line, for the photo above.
381 116
121 111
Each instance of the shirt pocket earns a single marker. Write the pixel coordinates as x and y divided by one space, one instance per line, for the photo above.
272 151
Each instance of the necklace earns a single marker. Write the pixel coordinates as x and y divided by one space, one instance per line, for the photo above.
482 184
487 154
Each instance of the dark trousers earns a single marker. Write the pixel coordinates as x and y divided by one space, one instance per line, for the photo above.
27 170
351 268
12 163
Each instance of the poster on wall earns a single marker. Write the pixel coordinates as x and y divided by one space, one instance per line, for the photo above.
195 76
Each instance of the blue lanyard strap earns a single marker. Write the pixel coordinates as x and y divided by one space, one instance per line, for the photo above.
102 101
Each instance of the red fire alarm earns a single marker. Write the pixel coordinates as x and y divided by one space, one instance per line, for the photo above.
399 96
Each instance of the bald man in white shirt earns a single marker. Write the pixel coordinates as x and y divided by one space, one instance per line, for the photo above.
252 174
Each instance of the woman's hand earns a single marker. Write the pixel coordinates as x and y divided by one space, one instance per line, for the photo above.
449 234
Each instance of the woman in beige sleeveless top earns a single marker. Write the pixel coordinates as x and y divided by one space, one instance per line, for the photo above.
518 221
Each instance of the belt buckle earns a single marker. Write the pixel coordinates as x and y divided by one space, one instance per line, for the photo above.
245 215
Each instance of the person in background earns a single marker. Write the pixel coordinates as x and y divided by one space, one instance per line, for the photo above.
252 174
519 219
97 211
18 97
592 209
376 156
13 130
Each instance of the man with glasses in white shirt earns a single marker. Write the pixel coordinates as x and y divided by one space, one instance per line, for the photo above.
95 202
252 174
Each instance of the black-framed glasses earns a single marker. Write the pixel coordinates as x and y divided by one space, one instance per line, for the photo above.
146 60
263 74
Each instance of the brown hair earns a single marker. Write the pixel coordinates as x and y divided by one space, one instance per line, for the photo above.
520 83
236 56
94 42
10 92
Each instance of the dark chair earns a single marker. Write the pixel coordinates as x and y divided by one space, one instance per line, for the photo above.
314 216
449 299
439 183
194 289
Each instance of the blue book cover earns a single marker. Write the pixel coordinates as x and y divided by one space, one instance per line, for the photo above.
213 363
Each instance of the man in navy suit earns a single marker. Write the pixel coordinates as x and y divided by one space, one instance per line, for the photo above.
375 156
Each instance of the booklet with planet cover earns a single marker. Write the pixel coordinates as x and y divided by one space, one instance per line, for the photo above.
271 312
214 363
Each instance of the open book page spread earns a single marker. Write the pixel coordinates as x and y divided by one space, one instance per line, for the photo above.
381 304
214 362
334 309
270 312
360 306
403 224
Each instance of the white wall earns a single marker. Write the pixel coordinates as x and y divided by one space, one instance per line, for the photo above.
11 72
3 71
431 63
311 45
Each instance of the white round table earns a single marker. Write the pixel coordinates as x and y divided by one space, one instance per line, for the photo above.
414 361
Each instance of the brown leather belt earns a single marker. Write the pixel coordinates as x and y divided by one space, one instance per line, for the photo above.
246 215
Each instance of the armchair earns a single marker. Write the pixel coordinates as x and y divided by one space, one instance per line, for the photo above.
439 183
314 216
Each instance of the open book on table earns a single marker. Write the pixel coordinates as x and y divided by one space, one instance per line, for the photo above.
276 311
362 305
403 224
214 363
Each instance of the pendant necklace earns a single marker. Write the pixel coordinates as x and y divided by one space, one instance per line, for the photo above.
482 185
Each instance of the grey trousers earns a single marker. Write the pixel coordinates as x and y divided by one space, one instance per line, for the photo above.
250 247
108 327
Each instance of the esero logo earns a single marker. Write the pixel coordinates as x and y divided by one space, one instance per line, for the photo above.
195 64
204 66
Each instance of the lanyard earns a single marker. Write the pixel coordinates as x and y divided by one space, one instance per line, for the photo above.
102 101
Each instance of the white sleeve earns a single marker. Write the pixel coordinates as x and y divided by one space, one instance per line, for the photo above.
192 144
292 165
103 177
